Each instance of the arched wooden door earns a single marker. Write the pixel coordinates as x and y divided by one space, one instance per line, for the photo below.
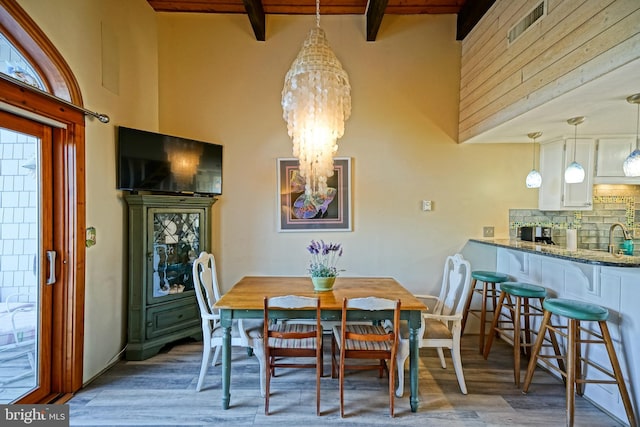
53 131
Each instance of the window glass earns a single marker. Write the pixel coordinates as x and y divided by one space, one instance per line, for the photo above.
14 64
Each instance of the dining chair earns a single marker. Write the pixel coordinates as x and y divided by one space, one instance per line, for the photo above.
357 341
244 332
441 327
283 341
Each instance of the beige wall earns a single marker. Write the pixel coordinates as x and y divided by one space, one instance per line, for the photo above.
219 84
206 77
76 28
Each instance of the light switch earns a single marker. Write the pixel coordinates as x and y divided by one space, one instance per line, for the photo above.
426 205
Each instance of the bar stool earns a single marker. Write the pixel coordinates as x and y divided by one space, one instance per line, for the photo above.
575 312
514 297
488 289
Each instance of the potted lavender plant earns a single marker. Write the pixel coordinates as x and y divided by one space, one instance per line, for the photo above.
324 258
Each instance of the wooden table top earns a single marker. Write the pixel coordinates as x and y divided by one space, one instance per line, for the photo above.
249 292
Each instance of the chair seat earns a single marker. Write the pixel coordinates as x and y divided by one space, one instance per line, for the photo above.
524 290
489 276
576 309
434 330
363 345
303 343
254 328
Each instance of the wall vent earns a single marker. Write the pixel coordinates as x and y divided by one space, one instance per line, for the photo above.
527 21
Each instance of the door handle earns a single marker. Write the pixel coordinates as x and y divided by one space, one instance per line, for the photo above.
51 258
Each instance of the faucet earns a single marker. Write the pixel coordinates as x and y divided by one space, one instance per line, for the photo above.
627 236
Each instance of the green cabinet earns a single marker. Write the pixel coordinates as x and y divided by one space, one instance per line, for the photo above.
166 234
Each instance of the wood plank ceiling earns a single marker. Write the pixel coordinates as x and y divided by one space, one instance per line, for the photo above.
469 11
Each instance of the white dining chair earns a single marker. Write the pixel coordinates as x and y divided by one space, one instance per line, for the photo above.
244 332
441 326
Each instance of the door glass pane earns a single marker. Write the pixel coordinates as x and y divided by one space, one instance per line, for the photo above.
19 263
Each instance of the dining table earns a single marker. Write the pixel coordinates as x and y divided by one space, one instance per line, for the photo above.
245 300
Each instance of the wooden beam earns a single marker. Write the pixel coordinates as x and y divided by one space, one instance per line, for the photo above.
375 13
470 14
256 16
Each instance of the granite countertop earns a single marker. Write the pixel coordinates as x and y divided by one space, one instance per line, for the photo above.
581 255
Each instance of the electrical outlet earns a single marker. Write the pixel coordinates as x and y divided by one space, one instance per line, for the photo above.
487 231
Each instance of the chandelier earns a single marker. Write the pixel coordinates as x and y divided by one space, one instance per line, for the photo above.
316 101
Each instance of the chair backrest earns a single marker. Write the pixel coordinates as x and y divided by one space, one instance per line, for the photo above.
456 280
205 280
372 304
292 302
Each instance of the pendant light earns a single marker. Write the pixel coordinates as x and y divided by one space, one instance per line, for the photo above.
316 102
534 179
631 165
574 174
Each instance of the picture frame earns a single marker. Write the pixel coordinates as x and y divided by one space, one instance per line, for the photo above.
332 215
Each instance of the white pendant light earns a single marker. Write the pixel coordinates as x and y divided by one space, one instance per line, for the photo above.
316 102
534 179
574 174
631 165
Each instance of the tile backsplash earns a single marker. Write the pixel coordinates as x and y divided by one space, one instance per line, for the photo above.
611 204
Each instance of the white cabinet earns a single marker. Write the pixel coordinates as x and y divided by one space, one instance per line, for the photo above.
611 153
555 194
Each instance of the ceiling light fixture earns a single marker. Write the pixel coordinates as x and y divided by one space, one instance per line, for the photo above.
631 165
574 174
534 179
316 102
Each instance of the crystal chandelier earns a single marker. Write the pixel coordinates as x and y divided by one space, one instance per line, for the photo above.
534 179
316 102
574 174
631 165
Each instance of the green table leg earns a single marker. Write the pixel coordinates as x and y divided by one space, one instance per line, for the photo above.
413 367
226 361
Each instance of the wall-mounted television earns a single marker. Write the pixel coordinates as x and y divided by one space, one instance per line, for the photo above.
158 163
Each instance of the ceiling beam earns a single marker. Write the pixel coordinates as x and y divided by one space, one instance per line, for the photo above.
256 17
375 13
470 14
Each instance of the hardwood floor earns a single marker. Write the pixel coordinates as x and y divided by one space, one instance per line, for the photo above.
161 391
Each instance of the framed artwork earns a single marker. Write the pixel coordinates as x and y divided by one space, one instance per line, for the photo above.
297 212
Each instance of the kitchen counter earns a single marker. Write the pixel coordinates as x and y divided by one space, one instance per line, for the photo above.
581 255
590 276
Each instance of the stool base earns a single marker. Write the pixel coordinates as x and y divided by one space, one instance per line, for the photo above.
519 310
574 362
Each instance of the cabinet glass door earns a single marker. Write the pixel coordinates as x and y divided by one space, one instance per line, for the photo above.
175 244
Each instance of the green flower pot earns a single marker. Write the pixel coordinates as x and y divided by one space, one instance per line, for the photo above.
322 284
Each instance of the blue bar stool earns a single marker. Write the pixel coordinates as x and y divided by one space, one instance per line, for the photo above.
487 289
575 312
509 325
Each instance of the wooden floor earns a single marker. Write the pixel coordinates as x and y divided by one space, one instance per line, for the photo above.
161 391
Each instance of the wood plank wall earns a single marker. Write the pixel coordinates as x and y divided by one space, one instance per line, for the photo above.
577 41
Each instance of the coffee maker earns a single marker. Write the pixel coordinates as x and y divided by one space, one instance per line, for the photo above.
536 234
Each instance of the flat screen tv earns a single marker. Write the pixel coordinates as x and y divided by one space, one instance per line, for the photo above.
166 164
